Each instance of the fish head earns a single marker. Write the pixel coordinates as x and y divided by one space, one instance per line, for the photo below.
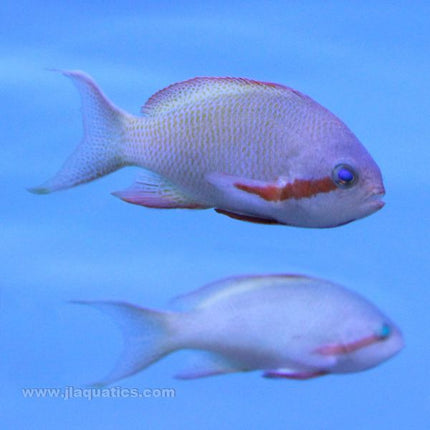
360 335
343 184
375 345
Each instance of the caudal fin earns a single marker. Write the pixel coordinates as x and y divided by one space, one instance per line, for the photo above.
99 152
146 337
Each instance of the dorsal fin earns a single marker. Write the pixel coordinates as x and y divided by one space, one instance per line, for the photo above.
219 290
196 89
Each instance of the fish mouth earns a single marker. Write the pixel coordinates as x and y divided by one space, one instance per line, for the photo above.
375 199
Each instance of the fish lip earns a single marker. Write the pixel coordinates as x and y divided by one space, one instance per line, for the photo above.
375 198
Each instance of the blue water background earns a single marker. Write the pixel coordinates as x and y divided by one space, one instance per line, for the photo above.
368 62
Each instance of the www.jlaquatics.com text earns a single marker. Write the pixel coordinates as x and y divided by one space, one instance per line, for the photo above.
71 392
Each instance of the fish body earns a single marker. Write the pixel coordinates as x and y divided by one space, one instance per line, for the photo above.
252 150
288 326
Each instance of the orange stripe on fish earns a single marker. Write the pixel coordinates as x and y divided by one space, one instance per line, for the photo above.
347 347
299 189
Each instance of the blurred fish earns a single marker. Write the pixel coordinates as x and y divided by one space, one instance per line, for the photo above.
252 150
289 326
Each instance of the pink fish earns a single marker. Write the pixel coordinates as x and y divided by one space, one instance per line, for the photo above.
288 326
252 150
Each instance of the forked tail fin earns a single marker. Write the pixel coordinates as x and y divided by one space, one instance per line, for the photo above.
147 337
100 151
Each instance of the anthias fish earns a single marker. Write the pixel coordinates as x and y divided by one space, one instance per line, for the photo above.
288 326
252 150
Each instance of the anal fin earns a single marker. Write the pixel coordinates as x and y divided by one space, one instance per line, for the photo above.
208 364
154 191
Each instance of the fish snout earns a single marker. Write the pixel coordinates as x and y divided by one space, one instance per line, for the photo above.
375 198
398 341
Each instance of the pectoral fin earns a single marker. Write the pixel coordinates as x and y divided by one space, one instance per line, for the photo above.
245 194
245 188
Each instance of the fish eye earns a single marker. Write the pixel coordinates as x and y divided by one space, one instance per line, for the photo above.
384 332
344 176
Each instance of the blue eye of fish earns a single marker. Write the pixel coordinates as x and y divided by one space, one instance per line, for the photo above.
344 176
384 332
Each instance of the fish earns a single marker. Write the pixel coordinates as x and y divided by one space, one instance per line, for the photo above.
255 151
287 326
